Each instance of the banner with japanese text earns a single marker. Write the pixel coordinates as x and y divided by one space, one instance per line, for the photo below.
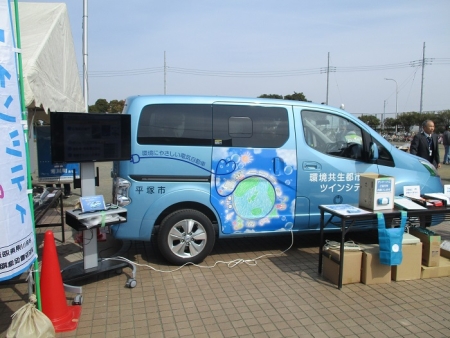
17 247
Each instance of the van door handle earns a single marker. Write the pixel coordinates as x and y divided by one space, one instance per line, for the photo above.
312 166
277 166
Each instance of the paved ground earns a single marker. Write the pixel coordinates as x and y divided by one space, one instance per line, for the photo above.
264 291
278 295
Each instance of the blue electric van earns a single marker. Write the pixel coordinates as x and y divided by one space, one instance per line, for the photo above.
211 167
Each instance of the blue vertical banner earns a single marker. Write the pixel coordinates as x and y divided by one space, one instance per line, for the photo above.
17 245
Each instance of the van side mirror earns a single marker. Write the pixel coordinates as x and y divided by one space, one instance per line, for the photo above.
373 154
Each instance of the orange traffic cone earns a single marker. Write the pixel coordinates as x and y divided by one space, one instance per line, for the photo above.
53 298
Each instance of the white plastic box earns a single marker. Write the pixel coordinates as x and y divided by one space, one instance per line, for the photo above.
376 191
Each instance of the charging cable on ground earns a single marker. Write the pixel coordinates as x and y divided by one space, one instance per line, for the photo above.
230 264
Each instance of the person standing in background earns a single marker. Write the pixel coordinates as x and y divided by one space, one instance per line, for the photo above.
446 143
426 145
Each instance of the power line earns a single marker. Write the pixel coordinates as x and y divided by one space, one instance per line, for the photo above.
285 73
128 72
259 74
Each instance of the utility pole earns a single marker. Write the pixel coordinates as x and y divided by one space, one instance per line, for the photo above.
423 72
396 102
328 77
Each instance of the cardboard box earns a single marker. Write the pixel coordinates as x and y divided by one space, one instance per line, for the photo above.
431 249
409 239
411 263
351 272
373 272
443 270
376 192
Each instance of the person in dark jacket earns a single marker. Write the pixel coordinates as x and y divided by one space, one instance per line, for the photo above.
426 145
446 142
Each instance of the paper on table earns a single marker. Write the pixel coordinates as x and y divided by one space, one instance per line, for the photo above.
346 209
411 191
447 190
406 203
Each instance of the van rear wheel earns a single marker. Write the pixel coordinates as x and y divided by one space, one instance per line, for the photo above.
186 236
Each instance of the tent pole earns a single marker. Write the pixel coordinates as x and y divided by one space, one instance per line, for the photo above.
25 126
87 169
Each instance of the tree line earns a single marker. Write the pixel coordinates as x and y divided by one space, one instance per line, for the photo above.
408 120
116 106
103 106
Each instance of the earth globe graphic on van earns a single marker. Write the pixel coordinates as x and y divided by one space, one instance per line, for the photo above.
254 198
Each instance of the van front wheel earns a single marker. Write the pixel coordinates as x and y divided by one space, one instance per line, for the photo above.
186 236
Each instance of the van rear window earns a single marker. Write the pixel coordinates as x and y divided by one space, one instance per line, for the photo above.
176 124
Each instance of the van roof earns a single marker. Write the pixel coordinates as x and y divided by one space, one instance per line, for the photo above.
212 99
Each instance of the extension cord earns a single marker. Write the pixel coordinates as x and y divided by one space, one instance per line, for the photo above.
351 248
348 246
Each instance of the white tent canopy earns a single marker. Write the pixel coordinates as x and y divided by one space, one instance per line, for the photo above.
50 71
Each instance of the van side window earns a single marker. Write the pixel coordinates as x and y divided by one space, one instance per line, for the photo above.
175 124
250 126
332 135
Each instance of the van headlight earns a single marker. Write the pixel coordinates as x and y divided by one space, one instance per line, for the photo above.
122 189
431 169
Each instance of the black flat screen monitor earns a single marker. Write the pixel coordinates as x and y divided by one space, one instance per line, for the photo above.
90 137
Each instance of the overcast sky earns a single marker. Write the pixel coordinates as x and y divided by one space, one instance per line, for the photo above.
253 47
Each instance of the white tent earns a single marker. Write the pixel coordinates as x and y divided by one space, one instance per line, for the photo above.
50 70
